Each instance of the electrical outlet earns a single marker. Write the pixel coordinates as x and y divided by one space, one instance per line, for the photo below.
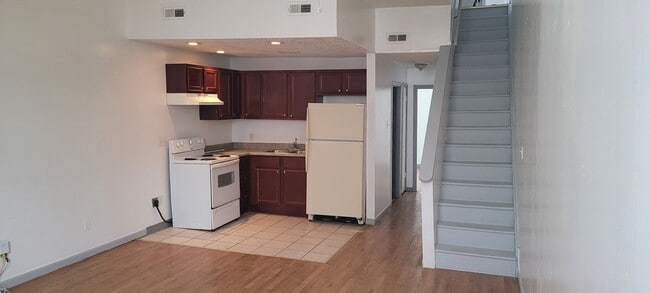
85 225
521 151
5 247
155 202
162 141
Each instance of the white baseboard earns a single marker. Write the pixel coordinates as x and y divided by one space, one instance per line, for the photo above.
46 269
378 218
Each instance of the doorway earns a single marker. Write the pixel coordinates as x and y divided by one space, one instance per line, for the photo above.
398 140
422 95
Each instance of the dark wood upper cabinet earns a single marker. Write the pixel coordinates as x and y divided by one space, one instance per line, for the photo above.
228 91
251 94
302 90
187 78
341 82
274 95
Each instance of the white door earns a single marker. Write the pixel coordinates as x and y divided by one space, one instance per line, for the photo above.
335 122
335 184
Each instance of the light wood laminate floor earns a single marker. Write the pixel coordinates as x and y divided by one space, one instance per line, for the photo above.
384 258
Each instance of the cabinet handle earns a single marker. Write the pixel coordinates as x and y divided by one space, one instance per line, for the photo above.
277 172
284 115
291 116
285 172
347 91
339 90
246 114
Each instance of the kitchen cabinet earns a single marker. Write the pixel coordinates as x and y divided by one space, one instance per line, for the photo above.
188 78
341 82
302 91
228 91
251 94
278 185
274 95
244 183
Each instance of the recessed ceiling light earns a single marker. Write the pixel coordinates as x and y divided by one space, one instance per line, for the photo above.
193 43
221 52
276 43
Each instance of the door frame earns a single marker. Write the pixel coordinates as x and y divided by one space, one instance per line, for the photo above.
399 96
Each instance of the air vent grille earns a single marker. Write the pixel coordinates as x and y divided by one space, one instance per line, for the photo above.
396 38
299 8
174 13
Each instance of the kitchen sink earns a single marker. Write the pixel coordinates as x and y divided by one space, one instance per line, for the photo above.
289 151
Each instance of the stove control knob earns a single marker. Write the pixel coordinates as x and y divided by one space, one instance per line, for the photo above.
182 143
190 142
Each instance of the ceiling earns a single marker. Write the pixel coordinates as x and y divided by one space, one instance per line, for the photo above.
304 47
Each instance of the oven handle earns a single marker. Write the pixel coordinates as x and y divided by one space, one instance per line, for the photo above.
224 164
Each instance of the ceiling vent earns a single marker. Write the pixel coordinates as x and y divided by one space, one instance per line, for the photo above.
396 38
300 8
174 13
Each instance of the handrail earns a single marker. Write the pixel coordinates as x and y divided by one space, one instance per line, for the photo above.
455 20
437 114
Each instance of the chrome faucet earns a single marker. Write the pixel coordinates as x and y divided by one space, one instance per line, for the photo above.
295 144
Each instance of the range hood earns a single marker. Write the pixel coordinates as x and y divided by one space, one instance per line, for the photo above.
193 99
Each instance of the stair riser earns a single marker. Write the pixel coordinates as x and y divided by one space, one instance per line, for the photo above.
483 23
478 239
477 193
480 173
482 35
478 136
476 264
482 47
481 88
500 103
479 119
478 154
463 214
473 74
483 12
481 60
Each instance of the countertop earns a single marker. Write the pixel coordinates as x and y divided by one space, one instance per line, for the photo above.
249 152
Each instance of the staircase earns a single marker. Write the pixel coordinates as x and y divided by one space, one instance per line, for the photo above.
475 227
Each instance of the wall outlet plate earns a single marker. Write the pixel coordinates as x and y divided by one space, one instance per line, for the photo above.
5 247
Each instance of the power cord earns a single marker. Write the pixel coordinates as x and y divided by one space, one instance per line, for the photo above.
156 204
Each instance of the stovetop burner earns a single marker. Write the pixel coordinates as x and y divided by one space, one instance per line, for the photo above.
224 156
207 159
190 159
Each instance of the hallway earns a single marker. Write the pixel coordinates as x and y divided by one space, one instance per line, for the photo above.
382 258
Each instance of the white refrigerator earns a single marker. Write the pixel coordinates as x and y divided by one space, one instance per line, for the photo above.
335 160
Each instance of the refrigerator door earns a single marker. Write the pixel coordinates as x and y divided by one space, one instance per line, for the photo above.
335 183
335 122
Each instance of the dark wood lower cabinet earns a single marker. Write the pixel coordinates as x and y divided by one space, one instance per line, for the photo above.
244 184
278 185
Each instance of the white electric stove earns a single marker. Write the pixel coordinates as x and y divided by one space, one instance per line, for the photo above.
204 186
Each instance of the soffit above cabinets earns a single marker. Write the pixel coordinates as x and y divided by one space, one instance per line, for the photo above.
290 47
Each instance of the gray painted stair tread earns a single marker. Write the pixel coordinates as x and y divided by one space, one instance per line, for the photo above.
480 81
477 111
478 67
472 251
477 183
493 28
476 227
477 128
476 204
468 163
481 41
477 145
478 96
484 17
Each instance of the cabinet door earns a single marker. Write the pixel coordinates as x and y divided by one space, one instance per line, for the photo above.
274 95
225 94
265 182
195 79
210 80
329 82
302 90
355 82
294 186
244 183
251 93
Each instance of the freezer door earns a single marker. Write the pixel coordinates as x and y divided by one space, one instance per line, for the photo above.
335 122
335 182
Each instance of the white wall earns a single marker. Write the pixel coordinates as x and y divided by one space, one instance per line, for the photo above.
83 111
356 22
224 19
427 28
382 73
276 131
581 88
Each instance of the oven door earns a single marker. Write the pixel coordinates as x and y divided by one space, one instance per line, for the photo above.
224 182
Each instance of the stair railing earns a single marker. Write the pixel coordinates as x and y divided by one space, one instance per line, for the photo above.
432 157
455 20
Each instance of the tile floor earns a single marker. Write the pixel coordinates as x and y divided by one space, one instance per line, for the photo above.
270 235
